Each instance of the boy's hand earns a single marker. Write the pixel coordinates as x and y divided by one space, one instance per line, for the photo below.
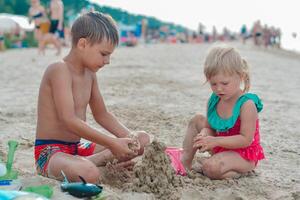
121 150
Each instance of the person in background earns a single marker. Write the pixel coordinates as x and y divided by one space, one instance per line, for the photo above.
2 45
56 30
37 14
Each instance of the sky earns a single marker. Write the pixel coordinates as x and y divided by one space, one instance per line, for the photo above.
230 13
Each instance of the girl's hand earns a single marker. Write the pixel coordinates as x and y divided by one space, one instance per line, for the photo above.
204 132
205 143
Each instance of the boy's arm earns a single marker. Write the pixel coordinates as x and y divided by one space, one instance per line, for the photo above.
106 119
61 84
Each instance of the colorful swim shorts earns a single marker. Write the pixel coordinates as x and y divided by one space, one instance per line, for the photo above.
44 149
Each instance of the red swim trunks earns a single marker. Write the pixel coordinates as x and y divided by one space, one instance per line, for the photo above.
44 149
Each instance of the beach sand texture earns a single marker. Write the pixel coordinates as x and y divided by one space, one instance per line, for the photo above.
158 88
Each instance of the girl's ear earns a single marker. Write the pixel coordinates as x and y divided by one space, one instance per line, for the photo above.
242 77
81 44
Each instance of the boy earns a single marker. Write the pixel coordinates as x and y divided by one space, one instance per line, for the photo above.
65 92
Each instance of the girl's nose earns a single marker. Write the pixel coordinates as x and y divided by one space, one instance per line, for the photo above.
219 88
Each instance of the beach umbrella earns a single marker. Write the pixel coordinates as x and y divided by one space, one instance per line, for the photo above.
9 22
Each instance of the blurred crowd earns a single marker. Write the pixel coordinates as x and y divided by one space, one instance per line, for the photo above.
50 28
267 36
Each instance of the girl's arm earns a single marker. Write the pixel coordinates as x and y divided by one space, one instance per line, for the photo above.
248 118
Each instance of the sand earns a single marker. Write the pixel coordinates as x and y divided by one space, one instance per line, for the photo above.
158 88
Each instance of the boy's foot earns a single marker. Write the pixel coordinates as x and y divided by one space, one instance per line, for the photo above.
121 165
125 165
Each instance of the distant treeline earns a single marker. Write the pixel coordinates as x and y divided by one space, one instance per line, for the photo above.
20 7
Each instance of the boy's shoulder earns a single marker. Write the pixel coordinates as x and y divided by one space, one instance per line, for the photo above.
57 68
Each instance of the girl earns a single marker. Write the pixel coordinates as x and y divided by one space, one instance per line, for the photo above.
37 13
231 129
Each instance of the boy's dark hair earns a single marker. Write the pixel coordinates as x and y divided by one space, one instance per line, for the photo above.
95 27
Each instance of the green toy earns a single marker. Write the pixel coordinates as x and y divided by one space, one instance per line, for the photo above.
80 189
43 190
10 173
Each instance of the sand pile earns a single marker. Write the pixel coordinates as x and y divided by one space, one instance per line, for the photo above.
116 175
154 174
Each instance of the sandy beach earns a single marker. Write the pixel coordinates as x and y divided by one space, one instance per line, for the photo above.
158 88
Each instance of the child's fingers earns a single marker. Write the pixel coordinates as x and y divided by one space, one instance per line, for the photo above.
130 153
204 148
198 137
197 144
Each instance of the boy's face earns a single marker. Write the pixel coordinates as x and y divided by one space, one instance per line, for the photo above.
97 55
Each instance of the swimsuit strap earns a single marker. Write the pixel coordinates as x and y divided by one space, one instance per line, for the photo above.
221 124
38 15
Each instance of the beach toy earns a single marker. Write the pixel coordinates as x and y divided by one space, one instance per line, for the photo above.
10 173
44 190
10 184
2 168
80 189
175 156
19 195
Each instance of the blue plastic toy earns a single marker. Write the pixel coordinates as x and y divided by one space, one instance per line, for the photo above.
80 189
19 195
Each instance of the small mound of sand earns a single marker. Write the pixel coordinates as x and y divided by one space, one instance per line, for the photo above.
154 174
115 175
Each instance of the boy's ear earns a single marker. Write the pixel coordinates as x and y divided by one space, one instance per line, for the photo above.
81 44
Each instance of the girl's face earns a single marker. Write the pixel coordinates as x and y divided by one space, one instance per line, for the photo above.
35 2
225 86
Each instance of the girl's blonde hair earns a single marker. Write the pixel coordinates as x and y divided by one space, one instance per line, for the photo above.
226 60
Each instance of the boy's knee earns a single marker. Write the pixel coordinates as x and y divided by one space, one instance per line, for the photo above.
211 169
88 171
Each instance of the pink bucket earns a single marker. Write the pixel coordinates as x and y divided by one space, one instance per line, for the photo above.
175 156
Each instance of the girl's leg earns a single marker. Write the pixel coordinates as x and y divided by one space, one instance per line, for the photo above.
42 45
226 165
73 167
194 127
38 36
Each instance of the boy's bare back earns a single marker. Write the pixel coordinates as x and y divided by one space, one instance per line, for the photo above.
62 84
